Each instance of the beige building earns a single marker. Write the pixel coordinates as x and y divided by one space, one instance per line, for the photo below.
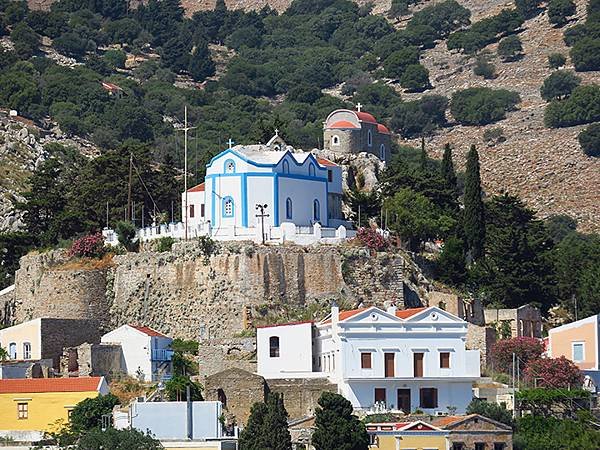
523 321
577 341
45 338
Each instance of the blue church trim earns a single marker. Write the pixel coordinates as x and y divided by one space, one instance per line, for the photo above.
310 157
213 198
225 166
224 215
276 200
244 181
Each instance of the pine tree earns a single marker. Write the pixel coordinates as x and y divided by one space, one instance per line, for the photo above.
423 155
447 170
200 64
473 222
336 427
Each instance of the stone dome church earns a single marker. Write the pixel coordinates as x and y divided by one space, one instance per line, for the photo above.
347 131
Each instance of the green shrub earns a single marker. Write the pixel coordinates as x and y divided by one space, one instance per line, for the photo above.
559 85
510 48
589 139
415 78
494 135
528 8
443 17
585 54
484 68
398 8
583 106
560 10
126 235
398 61
420 116
481 106
165 244
115 58
556 60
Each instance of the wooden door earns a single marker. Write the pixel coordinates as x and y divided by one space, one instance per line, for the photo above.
404 400
380 395
418 364
389 365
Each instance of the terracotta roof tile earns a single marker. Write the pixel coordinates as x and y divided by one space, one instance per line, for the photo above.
198 188
406 313
285 324
382 129
326 162
342 124
33 385
365 117
148 331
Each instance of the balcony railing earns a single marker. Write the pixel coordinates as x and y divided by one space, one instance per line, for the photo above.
162 355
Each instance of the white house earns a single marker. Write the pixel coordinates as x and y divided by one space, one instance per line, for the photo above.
146 352
394 360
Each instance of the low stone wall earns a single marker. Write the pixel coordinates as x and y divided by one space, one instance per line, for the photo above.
300 396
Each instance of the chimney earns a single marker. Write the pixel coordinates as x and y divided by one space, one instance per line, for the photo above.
391 309
335 317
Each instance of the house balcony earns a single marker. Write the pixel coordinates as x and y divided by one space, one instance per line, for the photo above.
161 355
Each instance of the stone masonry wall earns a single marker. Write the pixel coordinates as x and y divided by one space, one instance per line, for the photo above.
216 355
185 291
300 396
60 333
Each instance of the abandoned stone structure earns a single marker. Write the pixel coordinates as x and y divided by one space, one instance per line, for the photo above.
219 354
523 321
476 431
346 131
92 360
238 390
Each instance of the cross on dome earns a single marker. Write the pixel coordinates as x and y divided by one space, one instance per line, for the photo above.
359 106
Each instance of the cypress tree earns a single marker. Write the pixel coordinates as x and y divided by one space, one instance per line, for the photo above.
336 427
473 222
275 431
423 155
447 170
252 437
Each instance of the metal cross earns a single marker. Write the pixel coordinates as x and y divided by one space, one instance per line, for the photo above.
359 106
230 143
276 132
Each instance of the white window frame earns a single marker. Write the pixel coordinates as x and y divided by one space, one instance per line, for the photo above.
335 140
573 344
26 350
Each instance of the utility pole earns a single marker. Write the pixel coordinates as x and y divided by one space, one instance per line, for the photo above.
262 216
128 212
575 304
185 168
106 215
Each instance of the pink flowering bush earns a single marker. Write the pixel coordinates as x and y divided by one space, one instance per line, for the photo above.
526 348
91 246
372 239
553 373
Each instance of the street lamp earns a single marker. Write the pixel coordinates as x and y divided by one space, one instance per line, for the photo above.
262 216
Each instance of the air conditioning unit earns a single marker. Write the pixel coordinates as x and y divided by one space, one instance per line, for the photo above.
441 413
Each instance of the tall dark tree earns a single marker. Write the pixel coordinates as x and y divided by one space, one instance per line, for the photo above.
276 431
447 168
252 437
473 221
336 427
423 155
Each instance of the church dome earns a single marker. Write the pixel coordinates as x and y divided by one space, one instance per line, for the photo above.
382 129
342 124
365 117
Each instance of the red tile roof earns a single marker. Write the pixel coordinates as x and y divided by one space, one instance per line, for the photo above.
326 162
285 324
342 124
382 129
33 385
148 331
199 188
365 117
406 313
110 86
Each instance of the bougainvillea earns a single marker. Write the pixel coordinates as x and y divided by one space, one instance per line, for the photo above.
553 373
372 239
526 349
91 246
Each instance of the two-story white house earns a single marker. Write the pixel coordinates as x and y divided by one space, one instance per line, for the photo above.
146 352
396 359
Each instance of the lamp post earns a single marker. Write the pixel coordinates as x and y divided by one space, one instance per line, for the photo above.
262 216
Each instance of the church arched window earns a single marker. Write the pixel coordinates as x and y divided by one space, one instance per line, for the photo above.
311 170
316 210
228 207
230 166
382 151
286 167
335 140
288 208
26 350
369 138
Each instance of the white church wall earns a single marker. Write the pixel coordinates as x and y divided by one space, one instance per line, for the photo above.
295 350
303 193
260 191
218 190
195 199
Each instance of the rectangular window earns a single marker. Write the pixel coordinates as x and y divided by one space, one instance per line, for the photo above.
389 365
274 347
191 211
429 398
373 440
479 445
365 360
202 210
380 395
330 175
458 446
22 411
445 360
499 445
578 353
418 364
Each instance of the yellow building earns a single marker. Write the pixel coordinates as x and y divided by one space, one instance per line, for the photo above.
199 445
416 435
31 406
